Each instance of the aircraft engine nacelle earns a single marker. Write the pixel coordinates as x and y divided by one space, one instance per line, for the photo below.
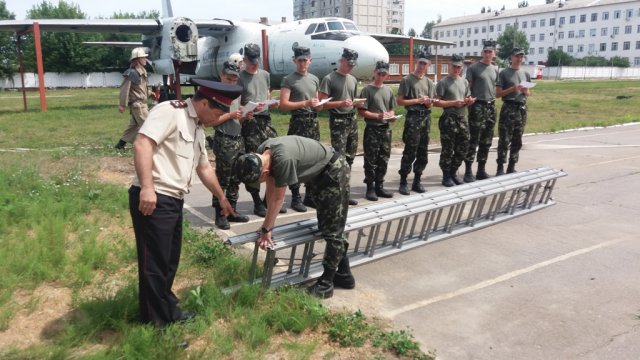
178 43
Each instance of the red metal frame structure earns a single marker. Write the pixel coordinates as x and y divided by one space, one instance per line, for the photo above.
36 37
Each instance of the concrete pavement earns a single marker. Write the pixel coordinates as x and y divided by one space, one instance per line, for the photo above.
560 283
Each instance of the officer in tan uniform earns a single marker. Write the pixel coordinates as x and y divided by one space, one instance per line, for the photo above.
134 93
169 147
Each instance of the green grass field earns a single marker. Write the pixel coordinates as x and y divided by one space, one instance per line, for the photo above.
67 245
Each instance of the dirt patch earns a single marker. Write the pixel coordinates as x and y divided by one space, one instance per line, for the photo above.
34 322
116 170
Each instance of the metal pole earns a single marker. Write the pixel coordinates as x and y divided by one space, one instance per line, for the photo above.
265 50
21 69
36 35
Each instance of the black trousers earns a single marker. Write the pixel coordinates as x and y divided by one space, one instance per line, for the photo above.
158 244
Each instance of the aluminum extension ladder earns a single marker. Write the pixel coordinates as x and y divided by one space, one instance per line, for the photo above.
386 228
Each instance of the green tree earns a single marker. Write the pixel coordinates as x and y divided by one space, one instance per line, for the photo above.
620 61
559 58
510 38
427 31
8 52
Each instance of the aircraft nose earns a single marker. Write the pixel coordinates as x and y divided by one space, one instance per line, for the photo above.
369 51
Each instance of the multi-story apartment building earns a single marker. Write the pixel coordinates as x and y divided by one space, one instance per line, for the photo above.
374 16
580 28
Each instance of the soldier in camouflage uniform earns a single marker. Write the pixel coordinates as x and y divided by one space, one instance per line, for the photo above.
134 93
341 87
416 93
256 87
299 94
291 159
378 113
513 115
482 77
227 145
454 96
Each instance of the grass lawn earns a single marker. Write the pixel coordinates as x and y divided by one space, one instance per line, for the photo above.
69 285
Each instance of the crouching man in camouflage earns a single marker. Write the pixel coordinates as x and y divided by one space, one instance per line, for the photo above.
292 159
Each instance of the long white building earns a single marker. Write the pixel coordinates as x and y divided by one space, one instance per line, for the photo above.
578 27
375 16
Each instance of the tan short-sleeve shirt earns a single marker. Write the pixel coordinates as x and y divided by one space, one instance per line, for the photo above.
180 140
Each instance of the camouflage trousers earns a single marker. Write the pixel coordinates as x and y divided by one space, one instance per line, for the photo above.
256 131
331 193
377 149
344 135
139 112
306 126
454 138
513 118
482 120
415 136
227 149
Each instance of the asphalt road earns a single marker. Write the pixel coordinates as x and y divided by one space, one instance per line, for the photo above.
560 283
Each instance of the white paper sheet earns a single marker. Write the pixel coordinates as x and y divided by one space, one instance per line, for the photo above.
527 84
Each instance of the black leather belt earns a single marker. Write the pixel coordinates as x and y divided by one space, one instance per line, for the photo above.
420 112
305 116
483 102
343 116
234 137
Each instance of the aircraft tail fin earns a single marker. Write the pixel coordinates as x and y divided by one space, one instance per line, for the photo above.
167 10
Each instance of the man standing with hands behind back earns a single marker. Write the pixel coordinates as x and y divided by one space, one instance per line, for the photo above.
167 150
134 93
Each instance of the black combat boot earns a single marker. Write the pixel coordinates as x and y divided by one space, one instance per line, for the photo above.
343 278
353 202
238 217
417 186
296 201
308 200
120 145
380 191
323 288
258 206
500 170
221 221
481 174
468 173
404 189
455 178
446 179
371 192
511 168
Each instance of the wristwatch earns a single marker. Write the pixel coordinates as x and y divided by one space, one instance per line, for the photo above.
264 230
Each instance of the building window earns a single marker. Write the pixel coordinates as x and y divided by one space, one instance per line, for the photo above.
637 45
475 30
499 27
614 46
532 51
448 33
572 19
468 31
580 48
592 48
524 24
533 23
552 21
532 37
561 35
592 32
569 48
484 29
605 15
543 22
560 47
541 37
629 13
636 61
455 32
405 69
615 30
541 50
603 46
444 68
571 34
581 33
461 43
603 31
594 17
562 20
583 18
491 28
468 42
394 69
627 29
475 42
626 45
616 14
638 30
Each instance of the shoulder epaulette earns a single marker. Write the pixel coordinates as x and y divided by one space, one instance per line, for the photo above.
178 104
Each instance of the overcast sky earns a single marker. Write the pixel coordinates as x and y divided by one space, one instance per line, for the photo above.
417 12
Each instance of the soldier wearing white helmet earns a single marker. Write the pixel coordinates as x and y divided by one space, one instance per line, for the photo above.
134 93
